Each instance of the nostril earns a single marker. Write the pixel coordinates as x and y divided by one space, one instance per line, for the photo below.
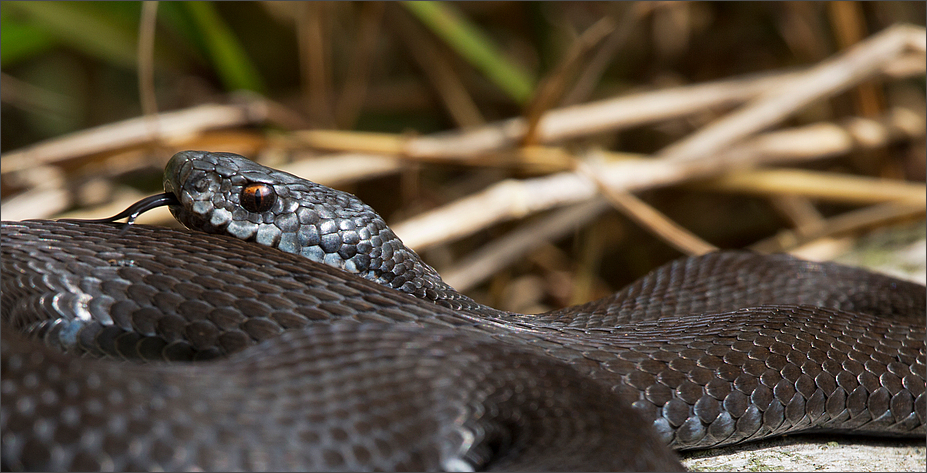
201 185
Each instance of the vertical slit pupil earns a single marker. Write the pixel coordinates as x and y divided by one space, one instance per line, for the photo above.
258 197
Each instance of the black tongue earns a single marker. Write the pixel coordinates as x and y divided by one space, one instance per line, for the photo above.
135 209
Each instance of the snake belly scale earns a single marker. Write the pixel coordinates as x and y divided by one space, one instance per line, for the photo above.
319 342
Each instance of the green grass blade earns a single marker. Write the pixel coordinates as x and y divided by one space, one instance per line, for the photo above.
234 67
462 36
19 41
85 26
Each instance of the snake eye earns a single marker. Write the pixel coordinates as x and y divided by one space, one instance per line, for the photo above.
258 197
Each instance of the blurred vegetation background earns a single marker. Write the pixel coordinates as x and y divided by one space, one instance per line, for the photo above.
73 65
419 68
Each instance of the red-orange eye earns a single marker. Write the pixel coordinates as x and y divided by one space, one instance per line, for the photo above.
258 197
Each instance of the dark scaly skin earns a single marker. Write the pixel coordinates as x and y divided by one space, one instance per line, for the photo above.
711 351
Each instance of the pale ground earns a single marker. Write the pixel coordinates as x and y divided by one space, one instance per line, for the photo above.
813 453
901 252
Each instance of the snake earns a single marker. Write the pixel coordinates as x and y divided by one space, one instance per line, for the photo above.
288 328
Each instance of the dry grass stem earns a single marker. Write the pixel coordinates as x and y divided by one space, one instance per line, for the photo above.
648 217
829 78
176 125
146 41
50 200
549 92
906 65
505 251
849 28
27 96
351 99
843 224
581 120
797 209
45 190
336 170
437 67
817 185
605 54
505 200
831 139
315 60
352 141
816 140
512 199
595 117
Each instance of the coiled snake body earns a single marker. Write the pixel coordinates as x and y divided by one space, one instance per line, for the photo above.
324 361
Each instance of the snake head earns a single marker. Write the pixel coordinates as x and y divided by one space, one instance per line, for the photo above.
225 193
